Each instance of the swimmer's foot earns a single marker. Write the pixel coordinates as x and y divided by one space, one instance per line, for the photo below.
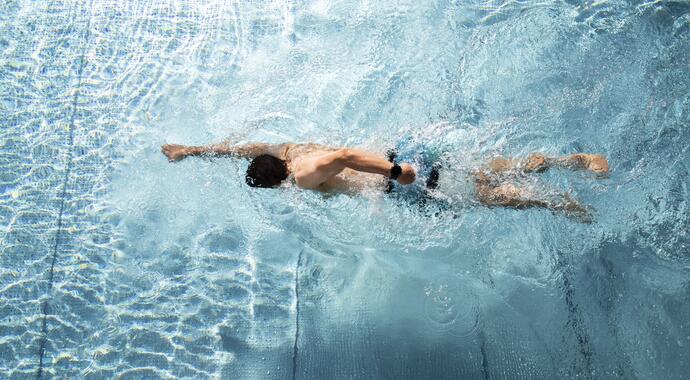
579 213
574 210
596 163
536 163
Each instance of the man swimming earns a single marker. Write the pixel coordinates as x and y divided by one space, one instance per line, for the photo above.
331 169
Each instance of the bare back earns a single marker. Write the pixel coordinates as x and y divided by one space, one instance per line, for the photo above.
347 181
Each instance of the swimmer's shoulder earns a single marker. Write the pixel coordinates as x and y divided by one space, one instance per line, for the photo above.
293 151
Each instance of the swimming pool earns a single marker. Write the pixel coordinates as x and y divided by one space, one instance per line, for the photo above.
115 263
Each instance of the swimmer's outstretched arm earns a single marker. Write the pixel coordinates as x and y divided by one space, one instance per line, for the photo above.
176 152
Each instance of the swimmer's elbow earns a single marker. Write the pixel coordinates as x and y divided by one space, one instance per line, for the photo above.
345 155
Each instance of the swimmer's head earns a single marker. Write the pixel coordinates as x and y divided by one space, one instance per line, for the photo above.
266 171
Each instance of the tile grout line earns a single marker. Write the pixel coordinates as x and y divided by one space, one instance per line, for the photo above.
294 347
575 319
63 194
485 361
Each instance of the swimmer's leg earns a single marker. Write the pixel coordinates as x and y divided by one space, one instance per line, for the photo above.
535 162
596 163
538 163
500 164
508 195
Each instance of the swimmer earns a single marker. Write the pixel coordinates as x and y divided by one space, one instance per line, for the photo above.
339 169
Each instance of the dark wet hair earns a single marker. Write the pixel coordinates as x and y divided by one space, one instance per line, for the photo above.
266 171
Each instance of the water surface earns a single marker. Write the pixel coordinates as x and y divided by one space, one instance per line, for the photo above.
116 263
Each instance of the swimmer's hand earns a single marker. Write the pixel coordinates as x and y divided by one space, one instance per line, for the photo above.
408 175
175 152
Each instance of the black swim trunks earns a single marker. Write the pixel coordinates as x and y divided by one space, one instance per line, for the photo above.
426 161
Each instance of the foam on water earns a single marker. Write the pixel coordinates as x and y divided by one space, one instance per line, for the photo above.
117 263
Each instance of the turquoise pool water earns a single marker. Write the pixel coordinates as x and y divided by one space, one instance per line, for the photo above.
116 264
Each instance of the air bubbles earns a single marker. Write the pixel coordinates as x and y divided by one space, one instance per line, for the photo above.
113 325
451 307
